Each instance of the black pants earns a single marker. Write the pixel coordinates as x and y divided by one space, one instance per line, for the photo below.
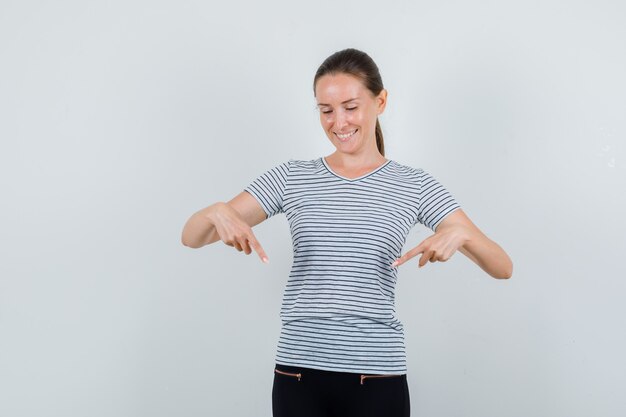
307 392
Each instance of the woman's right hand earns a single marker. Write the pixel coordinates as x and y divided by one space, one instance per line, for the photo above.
233 230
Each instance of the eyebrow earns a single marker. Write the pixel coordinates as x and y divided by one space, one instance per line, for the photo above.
343 102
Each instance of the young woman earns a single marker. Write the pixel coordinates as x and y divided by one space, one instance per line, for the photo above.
341 349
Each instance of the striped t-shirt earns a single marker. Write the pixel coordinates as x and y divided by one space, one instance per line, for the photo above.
338 311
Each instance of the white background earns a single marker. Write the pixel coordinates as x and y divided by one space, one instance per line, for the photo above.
118 120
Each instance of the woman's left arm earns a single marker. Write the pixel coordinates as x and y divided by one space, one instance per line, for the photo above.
458 232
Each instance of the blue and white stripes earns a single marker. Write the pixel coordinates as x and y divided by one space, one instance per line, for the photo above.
338 309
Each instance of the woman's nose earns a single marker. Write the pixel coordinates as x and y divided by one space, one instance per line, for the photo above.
340 120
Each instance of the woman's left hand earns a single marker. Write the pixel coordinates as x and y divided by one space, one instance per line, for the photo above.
438 247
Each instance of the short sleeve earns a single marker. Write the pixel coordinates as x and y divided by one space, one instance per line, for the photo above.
435 201
269 188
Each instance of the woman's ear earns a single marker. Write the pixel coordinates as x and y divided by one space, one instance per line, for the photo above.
381 99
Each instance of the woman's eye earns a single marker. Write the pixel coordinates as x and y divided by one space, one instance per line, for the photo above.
347 108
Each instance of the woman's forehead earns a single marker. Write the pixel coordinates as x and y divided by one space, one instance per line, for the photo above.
338 88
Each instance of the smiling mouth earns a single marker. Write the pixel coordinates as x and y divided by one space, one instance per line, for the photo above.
346 136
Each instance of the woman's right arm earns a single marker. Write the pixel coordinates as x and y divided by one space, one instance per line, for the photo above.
230 222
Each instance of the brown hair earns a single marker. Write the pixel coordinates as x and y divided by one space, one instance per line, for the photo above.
360 65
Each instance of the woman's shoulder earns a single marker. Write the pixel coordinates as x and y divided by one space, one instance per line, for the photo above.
304 164
405 169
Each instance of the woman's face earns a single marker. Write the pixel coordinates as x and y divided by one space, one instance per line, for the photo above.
348 111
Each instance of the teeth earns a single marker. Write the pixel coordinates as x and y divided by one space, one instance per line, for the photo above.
347 135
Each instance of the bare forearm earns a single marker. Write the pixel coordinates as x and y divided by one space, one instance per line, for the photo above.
488 255
199 229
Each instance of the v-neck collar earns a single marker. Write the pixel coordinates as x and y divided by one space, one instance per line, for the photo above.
357 178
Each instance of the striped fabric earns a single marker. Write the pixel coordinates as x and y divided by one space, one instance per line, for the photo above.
338 311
